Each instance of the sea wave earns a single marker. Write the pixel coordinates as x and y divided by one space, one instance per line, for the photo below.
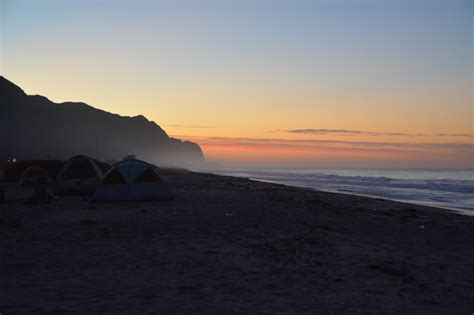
454 190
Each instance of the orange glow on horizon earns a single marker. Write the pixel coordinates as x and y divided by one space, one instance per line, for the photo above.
297 152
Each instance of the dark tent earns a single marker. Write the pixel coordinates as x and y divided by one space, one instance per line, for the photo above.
132 180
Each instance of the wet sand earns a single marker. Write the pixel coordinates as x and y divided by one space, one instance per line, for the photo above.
233 245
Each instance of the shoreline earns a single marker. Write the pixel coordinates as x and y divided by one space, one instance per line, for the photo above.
229 244
456 210
351 193
461 210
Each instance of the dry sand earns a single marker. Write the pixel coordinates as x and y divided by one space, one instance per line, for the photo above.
233 245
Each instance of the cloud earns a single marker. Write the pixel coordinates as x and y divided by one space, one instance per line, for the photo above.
265 151
324 131
368 133
332 144
454 135
191 126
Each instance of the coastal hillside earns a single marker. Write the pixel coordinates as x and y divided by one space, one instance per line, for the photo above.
32 126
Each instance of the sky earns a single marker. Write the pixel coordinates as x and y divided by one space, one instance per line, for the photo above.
263 83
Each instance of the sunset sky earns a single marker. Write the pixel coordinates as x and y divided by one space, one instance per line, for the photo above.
263 83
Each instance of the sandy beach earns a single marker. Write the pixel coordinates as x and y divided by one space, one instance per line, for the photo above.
229 245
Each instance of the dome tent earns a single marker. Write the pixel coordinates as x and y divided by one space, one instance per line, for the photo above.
79 176
132 180
34 175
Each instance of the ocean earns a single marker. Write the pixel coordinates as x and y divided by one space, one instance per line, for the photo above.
445 188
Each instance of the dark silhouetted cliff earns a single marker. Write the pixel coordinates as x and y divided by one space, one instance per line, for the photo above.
32 126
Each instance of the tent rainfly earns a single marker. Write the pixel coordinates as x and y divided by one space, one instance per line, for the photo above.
132 180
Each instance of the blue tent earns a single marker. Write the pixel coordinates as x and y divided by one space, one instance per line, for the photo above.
132 180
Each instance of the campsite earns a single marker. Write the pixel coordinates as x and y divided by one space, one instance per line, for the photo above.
128 180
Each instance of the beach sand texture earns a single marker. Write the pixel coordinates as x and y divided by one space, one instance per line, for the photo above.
233 245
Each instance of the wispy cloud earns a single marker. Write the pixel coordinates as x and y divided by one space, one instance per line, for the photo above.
369 133
191 126
454 135
333 144
335 152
